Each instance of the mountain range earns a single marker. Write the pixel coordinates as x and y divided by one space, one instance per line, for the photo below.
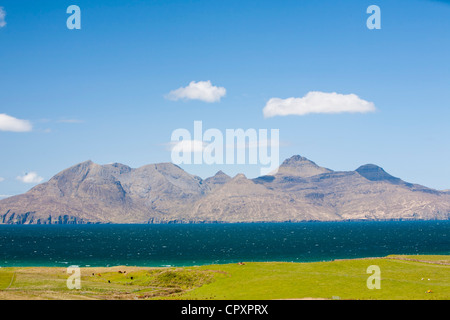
164 193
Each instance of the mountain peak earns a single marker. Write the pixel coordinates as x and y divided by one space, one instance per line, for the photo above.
294 160
373 172
86 163
220 178
301 167
117 168
81 168
239 176
220 173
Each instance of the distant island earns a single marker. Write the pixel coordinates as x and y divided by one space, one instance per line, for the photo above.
164 193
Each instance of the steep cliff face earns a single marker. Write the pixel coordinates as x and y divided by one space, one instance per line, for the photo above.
164 193
30 218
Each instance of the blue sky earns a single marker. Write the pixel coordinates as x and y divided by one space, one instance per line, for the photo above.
100 93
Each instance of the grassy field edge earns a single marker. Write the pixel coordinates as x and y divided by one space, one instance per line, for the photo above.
402 277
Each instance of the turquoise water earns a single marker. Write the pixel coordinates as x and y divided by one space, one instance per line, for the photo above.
199 244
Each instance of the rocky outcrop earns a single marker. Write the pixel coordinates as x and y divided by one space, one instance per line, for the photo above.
29 218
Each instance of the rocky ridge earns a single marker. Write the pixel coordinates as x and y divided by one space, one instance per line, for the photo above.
164 193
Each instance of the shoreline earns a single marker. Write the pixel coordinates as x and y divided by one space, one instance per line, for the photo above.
402 257
220 222
66 265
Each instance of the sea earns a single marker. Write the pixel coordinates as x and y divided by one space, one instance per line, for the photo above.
158 245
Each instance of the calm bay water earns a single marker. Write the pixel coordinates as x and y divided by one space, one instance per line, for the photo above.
186 245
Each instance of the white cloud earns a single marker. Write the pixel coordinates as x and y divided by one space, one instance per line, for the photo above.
2 179
317 102
31 177
8 123
2 17
201 90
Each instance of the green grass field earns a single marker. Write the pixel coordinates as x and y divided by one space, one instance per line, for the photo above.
402 278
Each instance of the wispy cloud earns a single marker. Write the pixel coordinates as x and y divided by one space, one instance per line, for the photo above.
256 144
31 177
70 121
317 102
187 146
201 90
9 123
2 17
2 179
191 146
